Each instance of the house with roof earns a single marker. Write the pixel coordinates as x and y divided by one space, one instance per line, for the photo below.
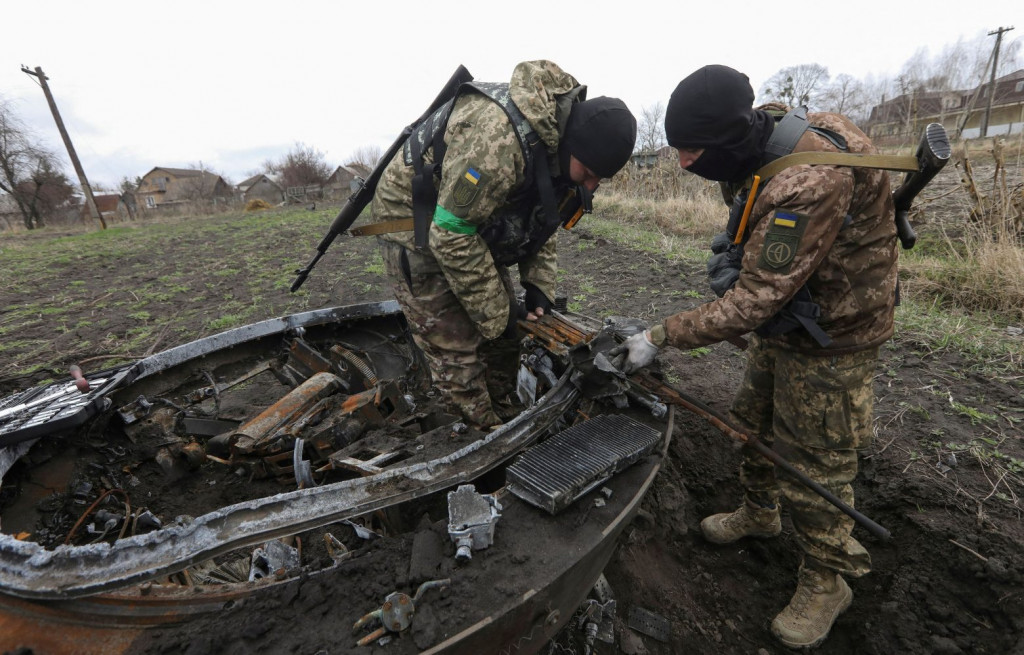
345 180
260 187
111 205
165 186
906 115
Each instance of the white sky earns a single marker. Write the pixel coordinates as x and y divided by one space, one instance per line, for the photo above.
231 84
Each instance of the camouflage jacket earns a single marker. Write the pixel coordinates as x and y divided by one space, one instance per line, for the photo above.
799 234
482 173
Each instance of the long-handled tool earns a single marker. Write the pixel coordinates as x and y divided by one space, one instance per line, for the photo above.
560 334
676 397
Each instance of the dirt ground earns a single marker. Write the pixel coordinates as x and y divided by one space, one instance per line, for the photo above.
951 579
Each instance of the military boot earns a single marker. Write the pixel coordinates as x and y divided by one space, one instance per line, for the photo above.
821 596
749 520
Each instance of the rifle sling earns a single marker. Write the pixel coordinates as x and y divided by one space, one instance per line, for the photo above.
384 227
889 162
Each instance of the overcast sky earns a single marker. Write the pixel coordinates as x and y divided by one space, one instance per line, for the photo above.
231 84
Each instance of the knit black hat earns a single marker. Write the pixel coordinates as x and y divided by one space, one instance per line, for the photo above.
710 108
601 134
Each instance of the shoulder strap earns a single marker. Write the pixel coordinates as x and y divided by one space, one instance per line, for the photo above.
786 133
887 162
779 149
431 135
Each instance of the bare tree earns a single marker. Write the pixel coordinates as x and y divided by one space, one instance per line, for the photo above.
845 95
29 173
128 185
366 156
796 85
650 131
302 166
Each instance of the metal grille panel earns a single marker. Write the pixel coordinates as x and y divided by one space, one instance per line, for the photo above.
553 474
41 410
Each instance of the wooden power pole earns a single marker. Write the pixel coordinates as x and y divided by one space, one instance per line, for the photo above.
86 189
992 79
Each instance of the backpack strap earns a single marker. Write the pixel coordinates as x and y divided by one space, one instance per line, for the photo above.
424 193
786 133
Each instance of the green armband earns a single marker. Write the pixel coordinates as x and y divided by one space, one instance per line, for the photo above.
449 221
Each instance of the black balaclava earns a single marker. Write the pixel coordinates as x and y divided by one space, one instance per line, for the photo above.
601 134
712 109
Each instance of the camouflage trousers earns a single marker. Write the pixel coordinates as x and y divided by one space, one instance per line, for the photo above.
462 363
817 413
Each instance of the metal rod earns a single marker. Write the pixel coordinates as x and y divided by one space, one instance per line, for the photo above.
676 397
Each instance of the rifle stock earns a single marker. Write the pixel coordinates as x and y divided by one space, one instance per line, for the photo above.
932 154
362 197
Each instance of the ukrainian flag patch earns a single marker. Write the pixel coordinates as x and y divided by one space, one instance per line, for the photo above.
782 240
785 219
467 187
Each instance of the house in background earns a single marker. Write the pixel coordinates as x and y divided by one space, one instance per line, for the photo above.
111 205
171 186
905 116
261 187
650 158
343 181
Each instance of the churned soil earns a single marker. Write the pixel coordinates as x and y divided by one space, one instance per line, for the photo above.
950 580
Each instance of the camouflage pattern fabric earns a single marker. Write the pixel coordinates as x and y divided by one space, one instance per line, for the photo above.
831 228
458 298
460 360
482 170
817 410
800 233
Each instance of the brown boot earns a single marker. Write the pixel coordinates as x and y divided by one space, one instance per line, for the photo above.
821 596
748 521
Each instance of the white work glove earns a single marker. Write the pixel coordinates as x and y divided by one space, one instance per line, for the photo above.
634 353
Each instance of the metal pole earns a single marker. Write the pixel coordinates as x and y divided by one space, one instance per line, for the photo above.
86 189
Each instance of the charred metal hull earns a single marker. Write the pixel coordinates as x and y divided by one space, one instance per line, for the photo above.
111 597
544 602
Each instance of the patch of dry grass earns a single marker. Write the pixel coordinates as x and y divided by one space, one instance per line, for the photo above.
977 271
675 202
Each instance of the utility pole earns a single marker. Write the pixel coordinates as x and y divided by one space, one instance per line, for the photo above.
86 189
992 80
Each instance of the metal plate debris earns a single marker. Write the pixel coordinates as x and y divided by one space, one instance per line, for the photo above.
651 624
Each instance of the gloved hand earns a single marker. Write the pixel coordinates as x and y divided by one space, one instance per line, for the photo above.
516 311
535 299
634 353
724 269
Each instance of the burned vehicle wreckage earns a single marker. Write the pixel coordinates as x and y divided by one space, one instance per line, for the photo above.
306 457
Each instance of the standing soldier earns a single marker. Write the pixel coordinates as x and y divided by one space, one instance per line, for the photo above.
814 275
483 179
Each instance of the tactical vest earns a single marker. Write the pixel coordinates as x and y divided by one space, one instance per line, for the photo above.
522 227
724 266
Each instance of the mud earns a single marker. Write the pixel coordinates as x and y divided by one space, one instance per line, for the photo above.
951 579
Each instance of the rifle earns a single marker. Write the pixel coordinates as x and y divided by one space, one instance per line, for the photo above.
364 194
932 154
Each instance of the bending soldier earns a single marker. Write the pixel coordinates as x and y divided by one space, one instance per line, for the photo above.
508 154
814 275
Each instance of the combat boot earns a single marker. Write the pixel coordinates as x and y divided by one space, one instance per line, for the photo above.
821 596
749 520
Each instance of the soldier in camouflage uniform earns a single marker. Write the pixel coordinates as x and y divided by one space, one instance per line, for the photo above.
456 292
827 227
